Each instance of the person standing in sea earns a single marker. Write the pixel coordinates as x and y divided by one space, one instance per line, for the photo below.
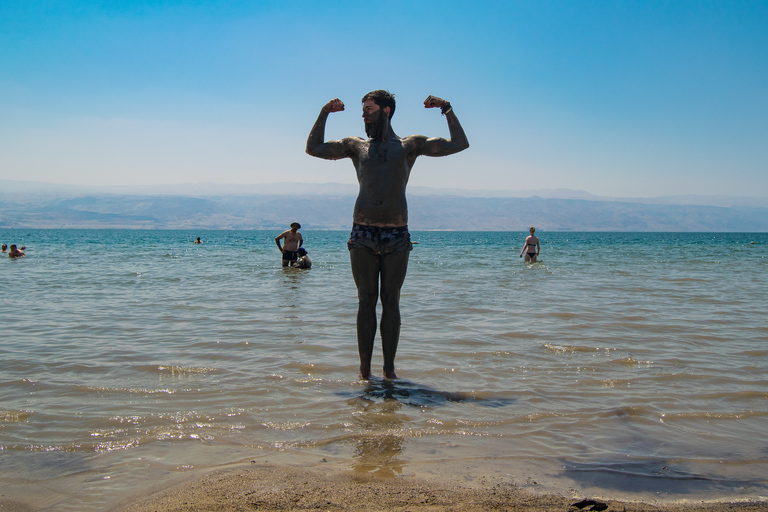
531 247
379 244
293 241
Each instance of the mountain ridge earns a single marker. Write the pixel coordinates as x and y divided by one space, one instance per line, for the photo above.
75 210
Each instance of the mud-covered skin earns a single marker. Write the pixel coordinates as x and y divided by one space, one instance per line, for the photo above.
383 164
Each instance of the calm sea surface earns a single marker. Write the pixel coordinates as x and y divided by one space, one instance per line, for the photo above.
621 365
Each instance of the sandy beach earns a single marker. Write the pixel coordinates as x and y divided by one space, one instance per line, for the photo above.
277 487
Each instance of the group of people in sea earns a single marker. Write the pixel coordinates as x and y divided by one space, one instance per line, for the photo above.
13 251
294 255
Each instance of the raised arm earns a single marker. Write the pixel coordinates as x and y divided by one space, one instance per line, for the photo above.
316 145
437 146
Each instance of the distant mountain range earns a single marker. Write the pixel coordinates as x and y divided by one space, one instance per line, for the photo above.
329 206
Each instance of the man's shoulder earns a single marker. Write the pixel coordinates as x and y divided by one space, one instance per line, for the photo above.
353 141
350 145
414 140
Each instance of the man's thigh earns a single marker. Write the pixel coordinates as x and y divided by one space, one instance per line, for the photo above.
365 270
394 266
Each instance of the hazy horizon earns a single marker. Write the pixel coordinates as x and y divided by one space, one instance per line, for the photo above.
329 206
286 188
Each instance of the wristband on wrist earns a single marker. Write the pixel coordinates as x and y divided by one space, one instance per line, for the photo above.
446 107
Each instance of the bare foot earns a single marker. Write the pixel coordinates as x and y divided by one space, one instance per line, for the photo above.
365 372
390 375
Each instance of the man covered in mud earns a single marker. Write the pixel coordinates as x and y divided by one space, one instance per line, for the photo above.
379 244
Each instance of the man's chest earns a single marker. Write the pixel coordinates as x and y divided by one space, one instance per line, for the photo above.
376 154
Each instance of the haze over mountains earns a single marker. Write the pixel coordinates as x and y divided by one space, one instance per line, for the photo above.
329 206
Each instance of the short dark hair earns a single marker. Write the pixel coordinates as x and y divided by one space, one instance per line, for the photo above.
383 99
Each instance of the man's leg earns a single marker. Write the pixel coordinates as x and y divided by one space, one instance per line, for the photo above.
365 271
393 269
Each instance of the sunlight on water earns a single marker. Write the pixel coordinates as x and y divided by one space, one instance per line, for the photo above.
625 362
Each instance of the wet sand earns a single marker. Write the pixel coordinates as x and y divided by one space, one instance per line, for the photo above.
279 487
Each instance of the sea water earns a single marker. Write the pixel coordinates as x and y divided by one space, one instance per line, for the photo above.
620 365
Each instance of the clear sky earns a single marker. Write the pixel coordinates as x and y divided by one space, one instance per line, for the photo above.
618 98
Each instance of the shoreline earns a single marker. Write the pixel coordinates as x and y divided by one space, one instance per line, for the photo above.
279 487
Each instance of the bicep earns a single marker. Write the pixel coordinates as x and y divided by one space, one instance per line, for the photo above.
433 146
331 150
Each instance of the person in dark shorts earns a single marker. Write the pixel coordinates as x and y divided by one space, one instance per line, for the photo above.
380 244
293 241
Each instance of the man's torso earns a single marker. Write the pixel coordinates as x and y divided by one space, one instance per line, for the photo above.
383 169
291 241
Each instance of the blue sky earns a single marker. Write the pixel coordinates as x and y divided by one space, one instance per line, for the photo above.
618 98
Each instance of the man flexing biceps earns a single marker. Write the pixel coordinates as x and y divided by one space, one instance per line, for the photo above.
379 244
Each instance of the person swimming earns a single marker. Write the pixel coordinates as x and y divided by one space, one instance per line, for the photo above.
14 252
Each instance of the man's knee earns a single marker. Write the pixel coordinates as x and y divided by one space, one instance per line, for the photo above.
367 299
390 297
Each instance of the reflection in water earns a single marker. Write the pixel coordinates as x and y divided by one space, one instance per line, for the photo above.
379 446
290 292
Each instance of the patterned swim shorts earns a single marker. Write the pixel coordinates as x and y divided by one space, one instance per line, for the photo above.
380 241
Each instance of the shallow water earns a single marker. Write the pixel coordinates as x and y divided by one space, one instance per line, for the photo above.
622 364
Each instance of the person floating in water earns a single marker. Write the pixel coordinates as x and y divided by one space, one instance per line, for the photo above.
531 247
293 241
14 252
379 244
302 261
198 241
5 248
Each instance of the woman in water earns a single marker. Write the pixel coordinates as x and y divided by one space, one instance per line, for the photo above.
531 247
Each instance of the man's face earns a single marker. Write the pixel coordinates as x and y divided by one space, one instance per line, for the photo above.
375 119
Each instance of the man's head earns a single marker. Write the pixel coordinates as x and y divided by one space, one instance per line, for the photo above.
301 251
295 225
383 99
378 109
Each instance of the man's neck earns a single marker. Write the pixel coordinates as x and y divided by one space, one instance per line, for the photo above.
389 134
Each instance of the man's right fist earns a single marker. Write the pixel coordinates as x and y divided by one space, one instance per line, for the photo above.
335 105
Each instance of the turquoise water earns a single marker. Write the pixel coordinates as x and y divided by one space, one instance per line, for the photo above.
620 365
